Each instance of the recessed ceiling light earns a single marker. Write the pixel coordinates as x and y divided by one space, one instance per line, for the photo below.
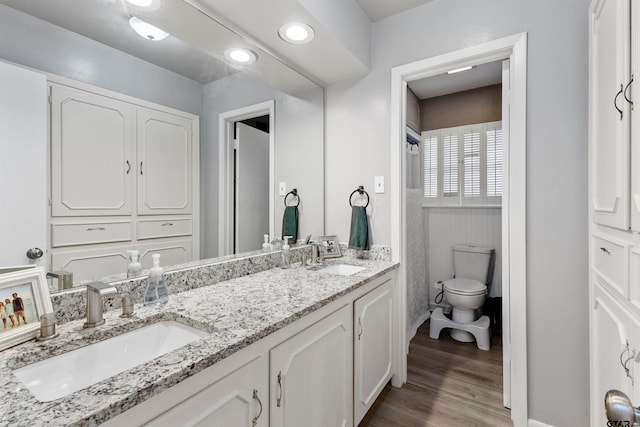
241 56
146 30
458 70
140 3
296 32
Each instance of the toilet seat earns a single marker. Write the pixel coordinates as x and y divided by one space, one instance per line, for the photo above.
461 286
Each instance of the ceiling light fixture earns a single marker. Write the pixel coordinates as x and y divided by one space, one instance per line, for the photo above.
146 30
296 33
241 56
458 70
140 3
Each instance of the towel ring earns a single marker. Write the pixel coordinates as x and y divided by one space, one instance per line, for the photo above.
293 193
361 191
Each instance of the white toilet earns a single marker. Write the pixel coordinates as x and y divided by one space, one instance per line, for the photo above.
466 293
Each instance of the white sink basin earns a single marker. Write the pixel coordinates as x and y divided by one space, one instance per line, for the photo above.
62 375
342 269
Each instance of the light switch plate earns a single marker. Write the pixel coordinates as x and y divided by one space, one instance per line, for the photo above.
282 191
379 184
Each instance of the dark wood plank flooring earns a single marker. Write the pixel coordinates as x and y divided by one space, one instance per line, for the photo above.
448 384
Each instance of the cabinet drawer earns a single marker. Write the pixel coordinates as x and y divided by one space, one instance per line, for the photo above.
89 233
151 229
610 262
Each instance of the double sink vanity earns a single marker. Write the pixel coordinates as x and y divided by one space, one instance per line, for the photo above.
295 346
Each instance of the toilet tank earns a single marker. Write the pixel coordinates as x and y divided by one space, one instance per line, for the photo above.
471 262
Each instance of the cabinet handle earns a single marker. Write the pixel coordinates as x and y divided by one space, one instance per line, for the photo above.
141 162
96 229
615 100
631 354
359 328
254 421
167 224
625 92
606 251
279 399
128 167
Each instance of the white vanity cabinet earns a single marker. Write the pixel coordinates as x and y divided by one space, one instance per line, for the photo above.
123 171
311 375
302 374
614 173
372 347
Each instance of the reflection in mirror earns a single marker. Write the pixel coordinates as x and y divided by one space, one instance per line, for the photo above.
90 42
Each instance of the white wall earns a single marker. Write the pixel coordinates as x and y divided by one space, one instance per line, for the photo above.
448 227
358 129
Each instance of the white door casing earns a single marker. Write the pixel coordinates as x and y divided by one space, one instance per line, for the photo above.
513 48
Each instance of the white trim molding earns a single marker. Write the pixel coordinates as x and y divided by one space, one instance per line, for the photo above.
514 49
534 423
225 131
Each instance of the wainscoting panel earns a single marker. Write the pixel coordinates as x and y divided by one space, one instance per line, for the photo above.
462 226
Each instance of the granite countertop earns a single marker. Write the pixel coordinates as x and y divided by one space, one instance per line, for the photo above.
234 313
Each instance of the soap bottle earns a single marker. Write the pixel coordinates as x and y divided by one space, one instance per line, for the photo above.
286 255
134 269
266 246
156 292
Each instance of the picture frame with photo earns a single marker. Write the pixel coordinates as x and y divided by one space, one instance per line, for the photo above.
332 246
24 298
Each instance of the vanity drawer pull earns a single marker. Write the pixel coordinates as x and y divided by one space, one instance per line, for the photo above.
279 400
96 229
167 224
606 251
254 421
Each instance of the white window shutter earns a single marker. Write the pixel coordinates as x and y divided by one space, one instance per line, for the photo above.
430 171
450 165
494 162
471 147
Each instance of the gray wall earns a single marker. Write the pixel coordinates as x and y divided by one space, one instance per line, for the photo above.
358 129
37 44
298 157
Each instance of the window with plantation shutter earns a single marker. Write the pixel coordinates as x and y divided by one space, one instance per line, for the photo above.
471 164
463 165
450 165
430 166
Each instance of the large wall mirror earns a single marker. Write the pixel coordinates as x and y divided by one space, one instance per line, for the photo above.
91 41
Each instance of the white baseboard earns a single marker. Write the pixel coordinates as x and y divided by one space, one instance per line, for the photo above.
534 423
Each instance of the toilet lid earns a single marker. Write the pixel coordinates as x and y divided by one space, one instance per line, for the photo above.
465 287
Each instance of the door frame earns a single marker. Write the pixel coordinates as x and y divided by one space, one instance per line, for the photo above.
513 48
226 122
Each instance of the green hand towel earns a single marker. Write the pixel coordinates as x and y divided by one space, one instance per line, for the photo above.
359 235
290 223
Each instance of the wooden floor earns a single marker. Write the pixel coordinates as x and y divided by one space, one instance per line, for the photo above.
448 384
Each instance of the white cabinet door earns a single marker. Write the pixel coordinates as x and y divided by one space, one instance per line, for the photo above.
373 341
23 164
92 262
165 165
172 251
311 375
235 400
614 335
91 154
610 35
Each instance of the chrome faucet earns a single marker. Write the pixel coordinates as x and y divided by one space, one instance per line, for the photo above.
318 251
95 304
65 278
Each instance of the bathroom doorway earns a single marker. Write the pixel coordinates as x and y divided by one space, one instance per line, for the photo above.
246 170
513 50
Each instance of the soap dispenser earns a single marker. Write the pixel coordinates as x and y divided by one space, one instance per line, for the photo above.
286 255
266 246
156 292
134 269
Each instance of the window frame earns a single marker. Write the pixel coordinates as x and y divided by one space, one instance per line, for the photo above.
459 199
